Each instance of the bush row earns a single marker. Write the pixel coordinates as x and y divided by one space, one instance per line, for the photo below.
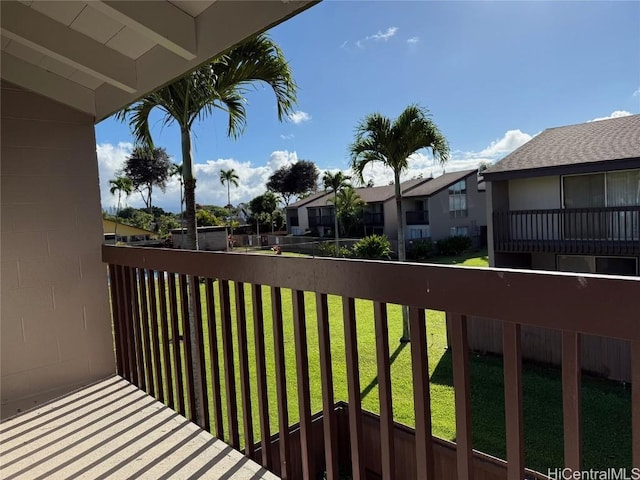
446 247
375 247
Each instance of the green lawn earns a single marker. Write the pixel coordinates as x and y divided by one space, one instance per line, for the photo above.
606 405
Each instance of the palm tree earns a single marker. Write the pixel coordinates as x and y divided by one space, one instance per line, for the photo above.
229 177
335 182
222 83
349 206
120 185
379 139
176 171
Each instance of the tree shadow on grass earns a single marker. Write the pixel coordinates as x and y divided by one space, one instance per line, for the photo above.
367 390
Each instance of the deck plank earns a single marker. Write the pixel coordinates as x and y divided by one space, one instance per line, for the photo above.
113 430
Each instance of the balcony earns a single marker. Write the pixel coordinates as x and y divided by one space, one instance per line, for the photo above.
234 295
587 231
418 217
322 221
373 219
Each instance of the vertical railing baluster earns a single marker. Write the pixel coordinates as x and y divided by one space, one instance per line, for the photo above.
261 373
200 390
329 422
117 327
462 392
175 340
421 394
635 402
213 354
186 345
127 327
571 399
387 451
512 365
245 387
229 361
147 364
353 384
304 396
138 357
155 338
281 383
164 330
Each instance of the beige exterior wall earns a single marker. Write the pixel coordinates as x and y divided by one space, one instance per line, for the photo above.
534 193
55 324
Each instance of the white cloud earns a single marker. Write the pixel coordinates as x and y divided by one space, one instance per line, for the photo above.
386 35
508 143
636 93
209 191
299 117
110 160
288 136
616 114
413 40
359 44
344 44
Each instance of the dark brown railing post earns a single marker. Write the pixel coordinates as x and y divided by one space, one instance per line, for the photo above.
512 365
166 346
229 361
186 345
261 373
304 397
245 389
387 451
462 392
147 363
635 402
155 338
326 376
175 340
421 395
115 314
136 335
353 385
281 383
213 355
571 399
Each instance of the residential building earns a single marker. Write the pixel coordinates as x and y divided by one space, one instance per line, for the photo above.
569 199
126 233
97 338
434 208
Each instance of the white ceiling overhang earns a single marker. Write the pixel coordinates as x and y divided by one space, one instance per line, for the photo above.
98 56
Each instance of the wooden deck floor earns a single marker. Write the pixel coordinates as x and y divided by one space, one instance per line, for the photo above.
112 430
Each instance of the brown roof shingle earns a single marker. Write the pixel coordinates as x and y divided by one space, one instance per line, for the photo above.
437 184
592 142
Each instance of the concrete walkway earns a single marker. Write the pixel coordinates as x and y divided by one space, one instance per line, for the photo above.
112 430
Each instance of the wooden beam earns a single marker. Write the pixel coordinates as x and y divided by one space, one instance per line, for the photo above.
47 84
159 21
39 32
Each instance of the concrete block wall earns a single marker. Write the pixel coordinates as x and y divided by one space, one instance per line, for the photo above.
55 325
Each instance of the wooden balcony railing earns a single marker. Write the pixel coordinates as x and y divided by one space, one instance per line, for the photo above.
155 291
420 217
610 230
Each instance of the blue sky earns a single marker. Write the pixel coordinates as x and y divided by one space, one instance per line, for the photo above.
493 74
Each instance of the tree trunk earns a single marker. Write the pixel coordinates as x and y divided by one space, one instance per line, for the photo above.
401 254
230 239
335 216
192 243
115 230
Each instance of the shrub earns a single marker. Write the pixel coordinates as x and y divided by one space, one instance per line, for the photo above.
421 250
452 246
328 249
373 247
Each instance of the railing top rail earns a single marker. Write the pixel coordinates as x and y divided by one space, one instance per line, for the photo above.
629 208
594 304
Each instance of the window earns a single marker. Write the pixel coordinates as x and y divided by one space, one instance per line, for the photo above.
417 233
460 231
458 199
